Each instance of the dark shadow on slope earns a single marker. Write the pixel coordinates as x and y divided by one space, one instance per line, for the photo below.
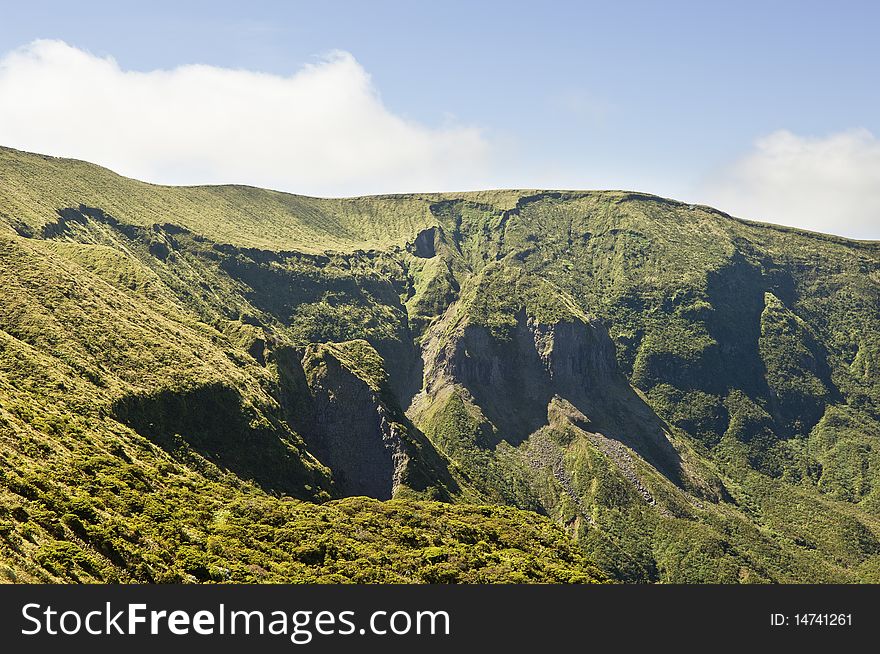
212 421
736 293
424 246
506 379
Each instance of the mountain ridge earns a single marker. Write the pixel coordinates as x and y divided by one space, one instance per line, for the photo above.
506 194
686 395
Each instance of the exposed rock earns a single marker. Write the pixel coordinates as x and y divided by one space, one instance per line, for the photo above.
354 425
352 433
514 381
542 453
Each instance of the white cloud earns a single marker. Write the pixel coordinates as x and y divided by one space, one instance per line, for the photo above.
829 184
321 131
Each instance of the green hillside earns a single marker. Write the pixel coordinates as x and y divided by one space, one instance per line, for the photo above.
208 383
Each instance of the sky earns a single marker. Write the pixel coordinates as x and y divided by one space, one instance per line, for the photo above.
766 110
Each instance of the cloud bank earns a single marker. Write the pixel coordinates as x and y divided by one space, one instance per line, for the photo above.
829 184
323 130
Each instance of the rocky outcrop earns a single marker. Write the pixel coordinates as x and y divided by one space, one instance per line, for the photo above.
352 432
339 398
514 381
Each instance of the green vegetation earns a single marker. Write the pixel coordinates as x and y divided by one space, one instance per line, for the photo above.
200 384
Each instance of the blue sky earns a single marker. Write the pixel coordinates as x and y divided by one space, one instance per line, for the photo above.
767 109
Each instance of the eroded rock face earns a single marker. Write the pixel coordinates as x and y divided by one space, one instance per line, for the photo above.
352 433
515 381
577 356
507 379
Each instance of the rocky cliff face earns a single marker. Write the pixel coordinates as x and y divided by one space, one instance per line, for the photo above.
352 432
516 382
339 398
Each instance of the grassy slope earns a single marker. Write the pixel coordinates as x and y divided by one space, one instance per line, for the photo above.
774 397
760 346
34 187
85 323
